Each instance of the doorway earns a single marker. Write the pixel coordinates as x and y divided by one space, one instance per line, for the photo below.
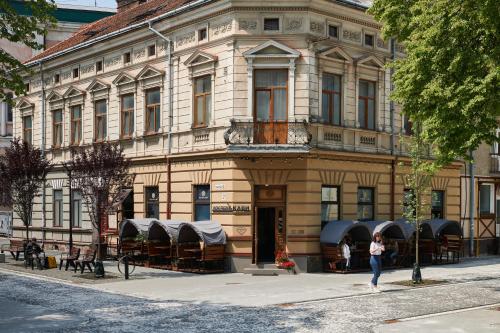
269 223
266 235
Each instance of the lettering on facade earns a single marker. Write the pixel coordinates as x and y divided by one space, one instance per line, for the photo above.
317 27
293 24
185 39
247 25
231 209
353 36
140 53
222 28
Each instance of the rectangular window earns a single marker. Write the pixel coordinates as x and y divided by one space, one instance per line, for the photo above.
28 129
57 128
201 202
486 199
76 124
152 202
58 208
330 204
271 24
76 73
98 66
152 110
407 125
330 109
202 34
202 101
57 78
126 58
366 203
76 208
27 87
151 50
271 92
368 40
437 204
333 31
9 109
127 112
100 108
366 104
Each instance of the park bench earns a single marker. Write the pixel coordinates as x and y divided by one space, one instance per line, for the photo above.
69 257
159 253
88 259
188 255
15 247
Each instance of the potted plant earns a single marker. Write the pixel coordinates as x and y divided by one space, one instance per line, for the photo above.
283 262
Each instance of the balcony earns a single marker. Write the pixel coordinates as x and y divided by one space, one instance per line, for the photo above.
268 136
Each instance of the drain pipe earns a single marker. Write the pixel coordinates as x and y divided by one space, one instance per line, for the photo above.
472 203
170 90
391 110
42 148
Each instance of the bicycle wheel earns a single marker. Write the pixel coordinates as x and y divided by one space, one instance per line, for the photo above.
131 265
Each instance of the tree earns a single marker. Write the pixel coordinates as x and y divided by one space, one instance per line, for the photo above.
22 29
449 79
23 170
100 173
415 206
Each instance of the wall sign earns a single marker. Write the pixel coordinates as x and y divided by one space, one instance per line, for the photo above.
238 209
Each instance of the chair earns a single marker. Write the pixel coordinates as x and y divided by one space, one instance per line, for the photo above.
87 260
69 257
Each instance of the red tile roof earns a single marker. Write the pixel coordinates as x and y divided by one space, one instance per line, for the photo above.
135 15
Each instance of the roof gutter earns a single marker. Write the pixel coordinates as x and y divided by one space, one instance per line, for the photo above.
121 31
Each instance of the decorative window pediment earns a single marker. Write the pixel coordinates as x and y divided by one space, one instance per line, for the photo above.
73 92
371 61
24 105
271 49
122 79
336 53
54 97
97 85
200 58
148 72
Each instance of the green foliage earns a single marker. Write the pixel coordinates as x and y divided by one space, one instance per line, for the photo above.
449 79
23 30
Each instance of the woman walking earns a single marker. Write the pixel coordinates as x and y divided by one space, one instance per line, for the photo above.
376 248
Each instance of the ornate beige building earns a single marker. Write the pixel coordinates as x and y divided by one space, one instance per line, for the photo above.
269 117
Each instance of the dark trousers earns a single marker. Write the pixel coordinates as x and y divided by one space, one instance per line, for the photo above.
376 264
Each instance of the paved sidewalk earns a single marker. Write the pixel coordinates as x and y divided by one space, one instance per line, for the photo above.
246 290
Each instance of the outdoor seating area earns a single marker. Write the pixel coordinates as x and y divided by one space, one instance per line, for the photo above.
345 244
185 246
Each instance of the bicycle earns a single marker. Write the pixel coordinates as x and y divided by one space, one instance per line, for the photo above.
122 261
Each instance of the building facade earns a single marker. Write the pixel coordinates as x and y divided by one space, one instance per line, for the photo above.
69 20
269 118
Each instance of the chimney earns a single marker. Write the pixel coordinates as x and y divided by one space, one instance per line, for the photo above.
123 5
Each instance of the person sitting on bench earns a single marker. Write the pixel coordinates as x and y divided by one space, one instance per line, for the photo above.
33 251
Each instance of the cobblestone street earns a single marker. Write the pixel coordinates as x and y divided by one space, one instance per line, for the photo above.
32 304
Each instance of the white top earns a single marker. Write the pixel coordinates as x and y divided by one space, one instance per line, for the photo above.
346 252
376 249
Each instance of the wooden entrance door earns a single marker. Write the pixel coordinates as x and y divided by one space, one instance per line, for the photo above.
269 223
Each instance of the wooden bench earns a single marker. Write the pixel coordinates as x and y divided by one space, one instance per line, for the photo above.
159 253
332 256
15 247
69 257
212 259
87 260
454 247
188 255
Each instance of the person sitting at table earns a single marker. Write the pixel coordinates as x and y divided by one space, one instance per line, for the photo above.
391 251
33 251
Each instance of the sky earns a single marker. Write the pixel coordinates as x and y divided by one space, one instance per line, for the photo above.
100 3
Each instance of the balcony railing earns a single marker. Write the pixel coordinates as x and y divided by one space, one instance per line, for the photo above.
494 163
268 133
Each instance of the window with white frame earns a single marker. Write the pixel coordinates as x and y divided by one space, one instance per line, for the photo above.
202 100
57 128
486 199
100 122
331 99
366 104
127 115
152 110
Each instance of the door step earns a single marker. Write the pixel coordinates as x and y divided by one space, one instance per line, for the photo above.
264 270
